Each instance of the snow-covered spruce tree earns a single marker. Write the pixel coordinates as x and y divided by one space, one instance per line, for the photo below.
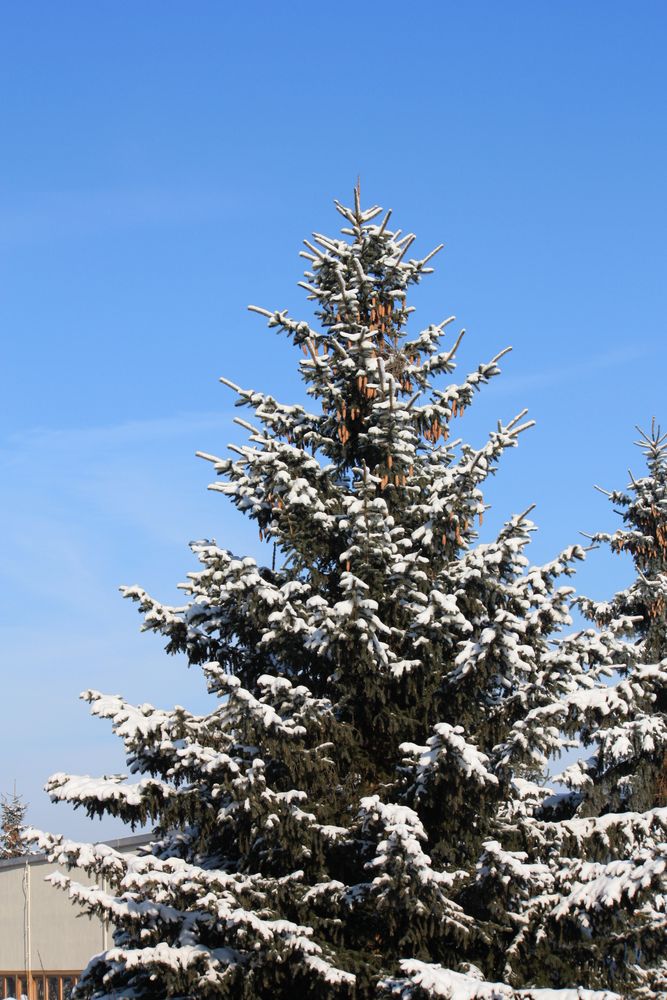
317 833
12 817
619 792
629 769
586 886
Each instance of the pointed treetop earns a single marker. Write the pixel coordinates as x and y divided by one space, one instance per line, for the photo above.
653 445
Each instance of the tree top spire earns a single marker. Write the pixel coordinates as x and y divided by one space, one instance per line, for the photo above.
654 444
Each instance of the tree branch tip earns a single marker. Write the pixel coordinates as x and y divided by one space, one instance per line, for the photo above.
517 418
205 455
385 221
229 383
244 423
432 254
506 350
446 322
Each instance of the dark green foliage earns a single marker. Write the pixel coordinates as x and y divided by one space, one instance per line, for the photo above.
347 821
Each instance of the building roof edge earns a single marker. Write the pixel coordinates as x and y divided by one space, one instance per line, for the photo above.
118 843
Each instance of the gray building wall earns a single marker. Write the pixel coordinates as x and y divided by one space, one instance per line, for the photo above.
40 927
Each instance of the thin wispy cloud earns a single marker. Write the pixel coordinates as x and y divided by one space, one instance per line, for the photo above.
85 509
583 369
123 433
50 216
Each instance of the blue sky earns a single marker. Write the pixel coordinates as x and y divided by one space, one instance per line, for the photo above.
161 163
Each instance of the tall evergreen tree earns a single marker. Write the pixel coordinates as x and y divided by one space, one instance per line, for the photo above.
12 816
379 686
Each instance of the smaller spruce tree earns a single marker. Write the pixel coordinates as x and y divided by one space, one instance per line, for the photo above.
629 768
12 815
585 883
622 784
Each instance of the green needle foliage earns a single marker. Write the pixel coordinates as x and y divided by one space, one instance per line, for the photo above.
386 691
